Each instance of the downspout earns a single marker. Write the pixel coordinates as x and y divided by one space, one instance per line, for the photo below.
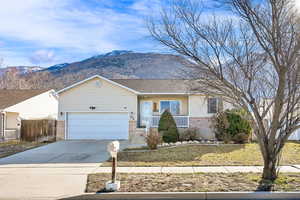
2 116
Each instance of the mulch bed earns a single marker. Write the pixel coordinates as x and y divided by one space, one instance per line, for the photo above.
208 182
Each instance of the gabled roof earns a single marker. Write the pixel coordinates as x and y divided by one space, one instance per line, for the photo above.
143 86
92 77
156 86
11 97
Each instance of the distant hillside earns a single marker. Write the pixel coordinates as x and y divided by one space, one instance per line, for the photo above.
115 64
19 69
128 64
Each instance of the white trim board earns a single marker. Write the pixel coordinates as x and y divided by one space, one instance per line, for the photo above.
100 77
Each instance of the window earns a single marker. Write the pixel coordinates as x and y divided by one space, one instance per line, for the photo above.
172 106
212 105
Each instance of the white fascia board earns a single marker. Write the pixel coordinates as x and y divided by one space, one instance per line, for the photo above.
188 94
100 77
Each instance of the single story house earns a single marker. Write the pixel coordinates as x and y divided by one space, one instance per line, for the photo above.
101 108
16 105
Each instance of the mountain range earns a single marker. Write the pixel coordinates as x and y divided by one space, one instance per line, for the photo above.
115 64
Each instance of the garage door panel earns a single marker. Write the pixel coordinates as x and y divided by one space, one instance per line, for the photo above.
98 125
103 123
93 116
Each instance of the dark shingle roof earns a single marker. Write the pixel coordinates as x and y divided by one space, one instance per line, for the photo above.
11 97
155 85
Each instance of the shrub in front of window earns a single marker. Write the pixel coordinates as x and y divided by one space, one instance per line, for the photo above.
153 139
167 127
231 125
189 134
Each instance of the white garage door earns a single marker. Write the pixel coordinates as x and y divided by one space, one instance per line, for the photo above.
97 126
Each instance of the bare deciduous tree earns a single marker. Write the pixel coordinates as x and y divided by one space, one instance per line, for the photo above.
250 60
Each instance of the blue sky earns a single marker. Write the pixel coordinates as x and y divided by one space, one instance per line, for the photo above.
47 32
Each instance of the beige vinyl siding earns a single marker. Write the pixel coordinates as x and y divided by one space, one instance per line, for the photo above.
12 121
156 99
198 106
104 96
42 106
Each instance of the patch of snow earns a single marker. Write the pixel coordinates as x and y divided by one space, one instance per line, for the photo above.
113 53
56 67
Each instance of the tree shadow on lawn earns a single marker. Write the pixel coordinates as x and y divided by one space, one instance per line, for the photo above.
201 154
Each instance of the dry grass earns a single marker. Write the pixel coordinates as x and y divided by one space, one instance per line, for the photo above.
8 148
206 155
208 182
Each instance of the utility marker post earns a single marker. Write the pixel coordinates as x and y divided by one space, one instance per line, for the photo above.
113 148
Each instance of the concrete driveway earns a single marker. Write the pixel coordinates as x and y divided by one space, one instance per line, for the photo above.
52 171
70 151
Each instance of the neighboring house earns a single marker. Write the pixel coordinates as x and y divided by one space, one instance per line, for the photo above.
16 105
265 104
99 108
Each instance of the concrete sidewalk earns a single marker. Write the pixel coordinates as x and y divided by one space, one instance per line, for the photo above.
188 170
43 181
54 181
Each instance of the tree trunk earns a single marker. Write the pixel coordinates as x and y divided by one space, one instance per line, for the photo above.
270 169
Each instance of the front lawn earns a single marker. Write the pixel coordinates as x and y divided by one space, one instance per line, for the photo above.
205 155
208 182
8 148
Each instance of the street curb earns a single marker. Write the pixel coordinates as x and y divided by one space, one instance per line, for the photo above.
195 195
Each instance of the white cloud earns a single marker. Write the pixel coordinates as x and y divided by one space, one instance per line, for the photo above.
72 29
146 7
297 2
66 24
42 56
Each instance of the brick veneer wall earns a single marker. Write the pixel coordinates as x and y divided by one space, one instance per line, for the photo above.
136 135
203 124
132 128
60 130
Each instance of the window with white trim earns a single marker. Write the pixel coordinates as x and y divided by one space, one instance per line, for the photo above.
173 106
212 105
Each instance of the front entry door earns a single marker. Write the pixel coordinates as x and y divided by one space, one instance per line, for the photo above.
146 113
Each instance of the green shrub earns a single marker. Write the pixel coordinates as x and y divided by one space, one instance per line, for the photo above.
167 127
189 134
232 125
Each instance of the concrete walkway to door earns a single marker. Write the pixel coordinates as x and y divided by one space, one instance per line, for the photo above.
52 171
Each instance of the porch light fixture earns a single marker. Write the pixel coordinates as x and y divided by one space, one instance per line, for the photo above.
131 116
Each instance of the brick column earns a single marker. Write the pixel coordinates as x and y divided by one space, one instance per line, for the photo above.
60 130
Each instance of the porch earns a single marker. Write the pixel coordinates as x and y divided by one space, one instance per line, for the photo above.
181 121
151 108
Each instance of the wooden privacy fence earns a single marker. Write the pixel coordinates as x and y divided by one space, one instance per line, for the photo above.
38 130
